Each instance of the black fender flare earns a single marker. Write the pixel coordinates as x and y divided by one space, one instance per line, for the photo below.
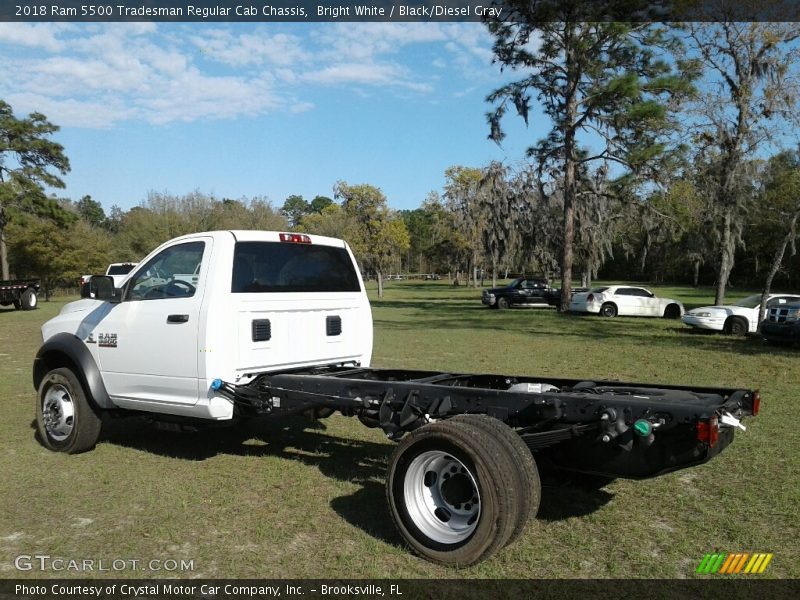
66 349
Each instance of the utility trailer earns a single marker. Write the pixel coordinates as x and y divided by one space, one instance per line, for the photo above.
22 293
279 323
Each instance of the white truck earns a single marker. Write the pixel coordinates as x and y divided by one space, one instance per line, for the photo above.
117 271
279 323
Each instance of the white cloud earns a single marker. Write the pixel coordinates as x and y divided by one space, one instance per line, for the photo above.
363 73
33 35
99 74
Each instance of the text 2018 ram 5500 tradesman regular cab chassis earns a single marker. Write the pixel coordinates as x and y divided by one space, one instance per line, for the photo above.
228 325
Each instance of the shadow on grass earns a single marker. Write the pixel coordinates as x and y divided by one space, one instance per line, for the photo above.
355 461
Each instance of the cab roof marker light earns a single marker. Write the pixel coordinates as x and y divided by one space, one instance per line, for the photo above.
296 238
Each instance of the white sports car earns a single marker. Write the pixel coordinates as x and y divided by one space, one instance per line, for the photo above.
735 319
625 300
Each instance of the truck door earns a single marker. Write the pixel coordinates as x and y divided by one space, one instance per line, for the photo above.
148 343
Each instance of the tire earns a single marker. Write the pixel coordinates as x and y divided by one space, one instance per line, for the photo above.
503 303
735 326
29 301
672 311
65 420
609 309
472 513
526 483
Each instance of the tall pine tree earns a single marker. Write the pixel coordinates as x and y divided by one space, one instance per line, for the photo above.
588 75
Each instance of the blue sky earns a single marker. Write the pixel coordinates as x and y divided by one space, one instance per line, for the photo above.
244 110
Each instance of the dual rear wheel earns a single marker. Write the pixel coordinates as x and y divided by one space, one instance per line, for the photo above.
459 490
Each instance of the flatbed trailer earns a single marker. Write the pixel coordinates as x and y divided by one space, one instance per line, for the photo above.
22 293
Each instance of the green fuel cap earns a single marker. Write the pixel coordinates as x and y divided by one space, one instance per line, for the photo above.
642 427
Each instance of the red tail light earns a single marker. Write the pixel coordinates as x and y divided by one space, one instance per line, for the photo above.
297 238
590 298
756 402
708 431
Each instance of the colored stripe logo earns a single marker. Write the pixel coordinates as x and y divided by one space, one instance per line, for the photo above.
735 563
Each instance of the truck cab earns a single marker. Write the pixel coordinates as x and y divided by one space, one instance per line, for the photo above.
216 305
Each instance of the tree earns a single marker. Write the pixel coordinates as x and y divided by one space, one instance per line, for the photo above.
319 203
752 87
380 235
57 255
780 206
496 204
461 193
294 208
589 75
27 156
91 211
332 221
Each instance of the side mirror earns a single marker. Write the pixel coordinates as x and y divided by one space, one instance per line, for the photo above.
101 287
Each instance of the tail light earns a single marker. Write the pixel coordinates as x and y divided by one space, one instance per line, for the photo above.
590 298
297 238
708 431
756 402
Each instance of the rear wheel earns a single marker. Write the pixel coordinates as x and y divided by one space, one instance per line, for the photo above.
29 301
526 482
65 420
503 303
449 495
735 326
608 309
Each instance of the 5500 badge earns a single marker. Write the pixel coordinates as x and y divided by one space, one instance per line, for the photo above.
104 340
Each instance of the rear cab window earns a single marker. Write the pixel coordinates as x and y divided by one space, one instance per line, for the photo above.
274 267
120 269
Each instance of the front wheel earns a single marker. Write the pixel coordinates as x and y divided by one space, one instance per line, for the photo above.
672 311
735 326
65 420
449 495
503 303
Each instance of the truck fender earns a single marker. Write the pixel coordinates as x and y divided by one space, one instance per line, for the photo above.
67 350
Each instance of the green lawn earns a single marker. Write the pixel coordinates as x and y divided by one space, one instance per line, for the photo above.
303 499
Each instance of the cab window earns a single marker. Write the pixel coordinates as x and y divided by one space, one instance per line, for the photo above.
168 274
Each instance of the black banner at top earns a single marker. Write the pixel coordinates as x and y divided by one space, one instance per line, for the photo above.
397 10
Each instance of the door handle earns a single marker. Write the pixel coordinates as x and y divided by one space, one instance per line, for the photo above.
178 319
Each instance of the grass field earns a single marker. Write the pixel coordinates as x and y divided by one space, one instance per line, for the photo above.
303 499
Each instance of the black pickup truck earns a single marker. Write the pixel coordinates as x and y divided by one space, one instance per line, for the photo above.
782 325
22 293
523 291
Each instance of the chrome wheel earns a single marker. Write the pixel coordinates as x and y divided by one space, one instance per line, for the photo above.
58 412
442 497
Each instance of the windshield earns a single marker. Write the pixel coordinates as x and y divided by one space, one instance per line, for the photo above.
750 301
598 290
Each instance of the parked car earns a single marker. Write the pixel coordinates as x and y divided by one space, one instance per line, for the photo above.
782 325
735 319
526 292
625 300
432 277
